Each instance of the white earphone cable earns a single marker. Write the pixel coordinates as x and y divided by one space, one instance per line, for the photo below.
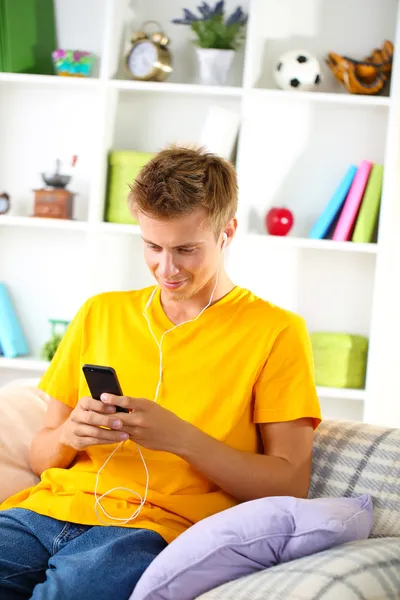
142 500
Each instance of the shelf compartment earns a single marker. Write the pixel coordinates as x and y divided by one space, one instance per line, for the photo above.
148 122
331 290
182 48
49 280
278 26
65 123
310 147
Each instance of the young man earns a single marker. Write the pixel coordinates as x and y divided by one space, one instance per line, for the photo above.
220 389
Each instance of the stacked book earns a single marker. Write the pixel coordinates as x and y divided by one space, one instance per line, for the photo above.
352 213
27 36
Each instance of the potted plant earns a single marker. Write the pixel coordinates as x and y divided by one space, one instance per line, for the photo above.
50 347
217 38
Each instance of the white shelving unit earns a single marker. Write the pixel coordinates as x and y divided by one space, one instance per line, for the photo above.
293 148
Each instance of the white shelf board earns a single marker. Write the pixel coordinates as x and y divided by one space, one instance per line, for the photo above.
40 223
195 89
297 242
36 79
341 393
288 241
116 228
175 88
322 97
24 364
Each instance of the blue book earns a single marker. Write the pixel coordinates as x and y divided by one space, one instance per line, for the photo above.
325 220
12 340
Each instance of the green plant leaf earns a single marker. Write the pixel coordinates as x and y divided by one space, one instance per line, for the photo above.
50 347
214 33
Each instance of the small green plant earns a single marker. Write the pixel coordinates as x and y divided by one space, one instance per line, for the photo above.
50 347
212 29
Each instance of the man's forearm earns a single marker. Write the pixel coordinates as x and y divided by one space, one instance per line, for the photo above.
48 451
244 475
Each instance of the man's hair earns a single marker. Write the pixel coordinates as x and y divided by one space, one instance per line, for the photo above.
178 180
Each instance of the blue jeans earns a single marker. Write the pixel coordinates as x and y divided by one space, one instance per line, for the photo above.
45 559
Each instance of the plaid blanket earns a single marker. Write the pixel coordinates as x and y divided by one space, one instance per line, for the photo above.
354 458
365 570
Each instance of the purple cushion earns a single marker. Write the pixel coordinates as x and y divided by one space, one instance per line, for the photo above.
250 537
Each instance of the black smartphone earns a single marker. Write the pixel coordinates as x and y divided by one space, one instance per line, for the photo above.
103 380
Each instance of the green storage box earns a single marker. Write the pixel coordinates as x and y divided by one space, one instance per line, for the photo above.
123 168
340 359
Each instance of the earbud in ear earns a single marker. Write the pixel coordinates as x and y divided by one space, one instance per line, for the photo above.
225 241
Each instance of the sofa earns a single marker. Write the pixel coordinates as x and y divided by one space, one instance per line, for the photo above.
349 459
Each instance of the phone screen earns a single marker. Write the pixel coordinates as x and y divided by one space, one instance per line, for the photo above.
102 380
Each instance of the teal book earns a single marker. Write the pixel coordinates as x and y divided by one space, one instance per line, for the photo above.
330 212
12 339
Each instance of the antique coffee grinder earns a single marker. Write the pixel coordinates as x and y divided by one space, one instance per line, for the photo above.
54 200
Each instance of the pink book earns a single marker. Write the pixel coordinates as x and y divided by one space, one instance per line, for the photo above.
352 203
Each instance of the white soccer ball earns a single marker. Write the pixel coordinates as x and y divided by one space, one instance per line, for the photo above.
298 70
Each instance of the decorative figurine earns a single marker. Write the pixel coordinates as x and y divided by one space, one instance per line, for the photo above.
54 201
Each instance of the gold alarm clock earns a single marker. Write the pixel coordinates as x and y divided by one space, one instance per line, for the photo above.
148 58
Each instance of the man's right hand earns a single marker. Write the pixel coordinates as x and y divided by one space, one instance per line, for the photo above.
83 428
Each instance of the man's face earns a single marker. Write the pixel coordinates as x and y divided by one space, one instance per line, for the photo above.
181 253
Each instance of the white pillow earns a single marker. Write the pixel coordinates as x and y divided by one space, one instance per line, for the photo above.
22 409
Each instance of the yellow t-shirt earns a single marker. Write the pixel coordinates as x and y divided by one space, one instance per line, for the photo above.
244 361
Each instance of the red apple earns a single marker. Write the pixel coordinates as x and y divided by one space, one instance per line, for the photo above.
279 220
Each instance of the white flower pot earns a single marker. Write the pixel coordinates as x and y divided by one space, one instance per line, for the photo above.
214 65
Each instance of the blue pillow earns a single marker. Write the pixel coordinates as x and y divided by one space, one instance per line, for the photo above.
249 537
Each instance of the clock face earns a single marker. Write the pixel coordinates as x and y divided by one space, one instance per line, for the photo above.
142 59
4 205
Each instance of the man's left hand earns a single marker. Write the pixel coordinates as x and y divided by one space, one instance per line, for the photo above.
149 424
